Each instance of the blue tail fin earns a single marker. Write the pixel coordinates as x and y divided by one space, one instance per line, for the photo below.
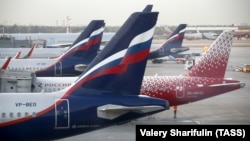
120 66
176 38
173 44
87 44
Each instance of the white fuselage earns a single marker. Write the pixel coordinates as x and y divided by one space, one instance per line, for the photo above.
37 52
30 65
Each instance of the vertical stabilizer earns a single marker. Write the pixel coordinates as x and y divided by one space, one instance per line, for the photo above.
214 62
173 44
120 66
6 63
88 43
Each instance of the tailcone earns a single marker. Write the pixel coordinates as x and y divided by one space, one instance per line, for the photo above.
242 84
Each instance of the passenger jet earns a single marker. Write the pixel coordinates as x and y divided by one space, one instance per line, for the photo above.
72 62
204 80
173 45
106 94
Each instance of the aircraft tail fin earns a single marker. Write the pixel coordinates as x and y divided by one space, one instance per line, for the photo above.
214 62
6 63
30 51
173 44
176 38
87 44
120 66
17 56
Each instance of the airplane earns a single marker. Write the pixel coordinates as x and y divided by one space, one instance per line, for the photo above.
61 66
51 51
206 79
200 35
70 63
193 36
97 99
209 36
173 45
35 53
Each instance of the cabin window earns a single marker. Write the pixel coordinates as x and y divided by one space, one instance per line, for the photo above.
11 115
3 115
26 114
18 114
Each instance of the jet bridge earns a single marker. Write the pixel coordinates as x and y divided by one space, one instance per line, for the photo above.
16 81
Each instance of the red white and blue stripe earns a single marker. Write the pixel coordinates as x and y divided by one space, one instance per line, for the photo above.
173 42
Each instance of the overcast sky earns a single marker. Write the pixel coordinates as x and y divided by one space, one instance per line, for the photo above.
115 12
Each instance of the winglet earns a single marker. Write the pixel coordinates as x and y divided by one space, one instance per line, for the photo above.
214 62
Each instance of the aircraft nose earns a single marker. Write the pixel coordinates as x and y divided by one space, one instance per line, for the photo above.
242 85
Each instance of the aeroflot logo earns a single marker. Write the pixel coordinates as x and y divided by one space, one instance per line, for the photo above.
53 84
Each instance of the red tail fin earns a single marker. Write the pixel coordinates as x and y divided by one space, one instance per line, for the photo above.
6 63
17 56
31 51
214 62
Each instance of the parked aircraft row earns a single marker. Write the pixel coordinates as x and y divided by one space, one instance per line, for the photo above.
56 39
199 35
112 89
206 79
82 52
76 58
49 52
86 105
35 52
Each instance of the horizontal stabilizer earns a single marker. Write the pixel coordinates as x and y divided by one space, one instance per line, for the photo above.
177 50
80 67
228 85
111 111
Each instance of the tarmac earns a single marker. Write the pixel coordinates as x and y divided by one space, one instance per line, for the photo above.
230 108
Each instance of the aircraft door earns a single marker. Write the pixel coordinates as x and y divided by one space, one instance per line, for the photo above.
58 69
61 114
180 89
